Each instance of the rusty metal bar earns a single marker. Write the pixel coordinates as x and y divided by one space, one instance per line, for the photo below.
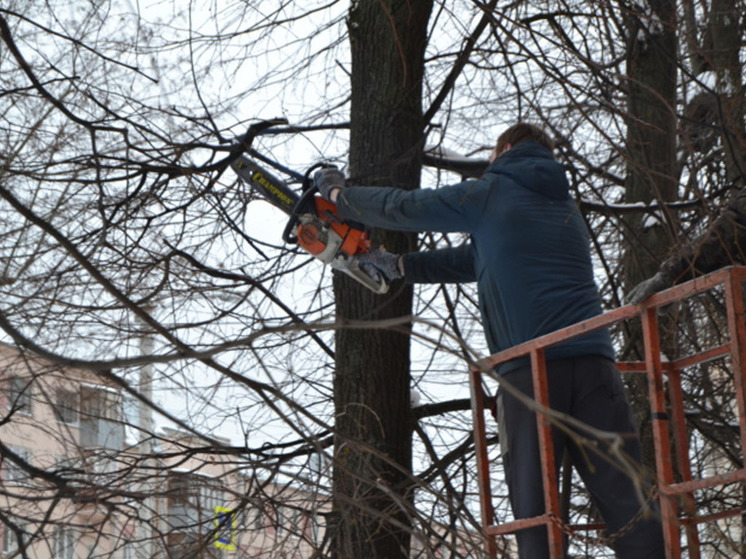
632 367
737 330
546 451
732 279
675 489
483 465
696 359
714 517
699 358
611 317
681 449
520 524
661 438
688 289
595 323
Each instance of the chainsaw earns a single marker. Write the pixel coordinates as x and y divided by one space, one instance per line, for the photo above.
314 223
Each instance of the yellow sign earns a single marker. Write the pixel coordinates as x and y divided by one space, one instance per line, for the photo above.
225 529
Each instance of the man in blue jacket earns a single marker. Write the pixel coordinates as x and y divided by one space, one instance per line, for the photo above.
529 254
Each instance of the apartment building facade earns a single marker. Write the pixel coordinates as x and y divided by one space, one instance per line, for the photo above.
74 485
82 479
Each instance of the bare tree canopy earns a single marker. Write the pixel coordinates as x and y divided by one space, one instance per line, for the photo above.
173 367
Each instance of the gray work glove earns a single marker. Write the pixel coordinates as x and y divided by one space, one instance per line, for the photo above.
327 179
646 288
380 262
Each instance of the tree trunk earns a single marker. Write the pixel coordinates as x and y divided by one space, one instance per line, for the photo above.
714 117
651 163
372 492
724 56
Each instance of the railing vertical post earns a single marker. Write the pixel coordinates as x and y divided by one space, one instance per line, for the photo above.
483 465
546 450
663 426
661 439
681 447
737 329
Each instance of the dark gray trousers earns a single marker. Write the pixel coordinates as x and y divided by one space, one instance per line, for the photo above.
589 389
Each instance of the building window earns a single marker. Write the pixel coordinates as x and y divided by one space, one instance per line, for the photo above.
64 543
11 537
101 418
258 518
66 406
211 498
281 521
193 502
315 521
19 395
16 472
197 517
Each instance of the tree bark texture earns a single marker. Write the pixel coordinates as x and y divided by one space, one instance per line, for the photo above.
724 57
372 491
714 119
651 165
651 133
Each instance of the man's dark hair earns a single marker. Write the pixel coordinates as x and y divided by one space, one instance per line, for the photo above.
523 132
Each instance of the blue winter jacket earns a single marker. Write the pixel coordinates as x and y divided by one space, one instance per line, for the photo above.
529 250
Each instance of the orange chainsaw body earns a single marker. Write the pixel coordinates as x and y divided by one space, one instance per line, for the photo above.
326 232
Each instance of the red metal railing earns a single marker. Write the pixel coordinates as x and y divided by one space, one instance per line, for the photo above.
677 500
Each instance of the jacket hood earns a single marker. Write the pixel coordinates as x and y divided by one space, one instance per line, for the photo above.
532 166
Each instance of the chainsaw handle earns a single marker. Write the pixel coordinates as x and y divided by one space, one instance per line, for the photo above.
298 209
308 188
